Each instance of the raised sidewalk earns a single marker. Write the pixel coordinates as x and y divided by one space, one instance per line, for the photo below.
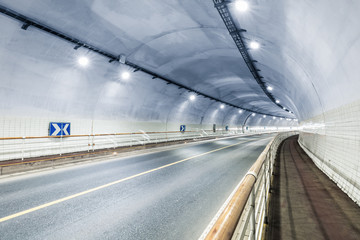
305 203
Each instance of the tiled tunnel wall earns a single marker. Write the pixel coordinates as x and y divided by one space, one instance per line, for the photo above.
26 128
332 140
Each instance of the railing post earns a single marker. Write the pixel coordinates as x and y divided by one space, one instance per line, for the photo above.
252 218
22 148
61 144
114 141
267 184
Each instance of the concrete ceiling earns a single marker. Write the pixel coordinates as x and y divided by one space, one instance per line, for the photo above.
308 55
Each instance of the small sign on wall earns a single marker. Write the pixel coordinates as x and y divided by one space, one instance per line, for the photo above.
182 128
59 129
226 128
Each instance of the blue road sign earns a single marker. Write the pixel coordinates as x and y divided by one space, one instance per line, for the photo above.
182 128
59 129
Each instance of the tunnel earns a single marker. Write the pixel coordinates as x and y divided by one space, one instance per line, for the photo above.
144 119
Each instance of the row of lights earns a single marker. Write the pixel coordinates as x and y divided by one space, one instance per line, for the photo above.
243 6
84 62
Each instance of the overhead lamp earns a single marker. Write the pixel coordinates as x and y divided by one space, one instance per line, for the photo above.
192 97
269 88
240 111
264 116
277 101
284 108
253 114
125 75
254 45
83 61
222 106
241 6
274 118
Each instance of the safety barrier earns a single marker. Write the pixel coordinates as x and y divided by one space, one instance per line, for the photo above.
245 214
27 147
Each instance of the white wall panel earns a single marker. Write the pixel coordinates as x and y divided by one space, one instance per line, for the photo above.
333 141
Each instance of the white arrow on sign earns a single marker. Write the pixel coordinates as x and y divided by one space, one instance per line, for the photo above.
57 129
65 129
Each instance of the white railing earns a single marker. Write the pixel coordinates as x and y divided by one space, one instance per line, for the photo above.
36 146
244 215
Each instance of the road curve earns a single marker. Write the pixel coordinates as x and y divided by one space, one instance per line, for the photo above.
171 194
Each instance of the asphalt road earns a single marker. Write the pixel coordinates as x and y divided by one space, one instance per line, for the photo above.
171 194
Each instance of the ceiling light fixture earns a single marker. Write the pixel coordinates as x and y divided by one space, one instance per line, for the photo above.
83 61
277 101
222 106
240 111
125 75
254 45
269 88
192 97
241 6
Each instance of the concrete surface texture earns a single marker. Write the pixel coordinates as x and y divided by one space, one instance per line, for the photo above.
305 203
173 202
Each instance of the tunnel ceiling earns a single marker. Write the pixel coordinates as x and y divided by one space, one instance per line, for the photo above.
185 41
308 52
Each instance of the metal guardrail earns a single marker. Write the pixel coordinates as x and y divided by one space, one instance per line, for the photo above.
36 146
247 210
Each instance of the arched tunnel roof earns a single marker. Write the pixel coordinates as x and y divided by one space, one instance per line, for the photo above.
187 43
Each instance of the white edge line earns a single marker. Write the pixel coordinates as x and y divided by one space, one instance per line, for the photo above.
215 218
222 208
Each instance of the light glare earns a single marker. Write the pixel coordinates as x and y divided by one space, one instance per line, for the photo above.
269 88
83 61
241 6
192 97
254 45
240 111
125 75
253 114
277 101
222 106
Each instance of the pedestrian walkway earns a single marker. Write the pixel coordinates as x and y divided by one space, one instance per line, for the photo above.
305 203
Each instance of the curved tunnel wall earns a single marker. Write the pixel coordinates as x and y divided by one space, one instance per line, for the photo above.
317 65
41 82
